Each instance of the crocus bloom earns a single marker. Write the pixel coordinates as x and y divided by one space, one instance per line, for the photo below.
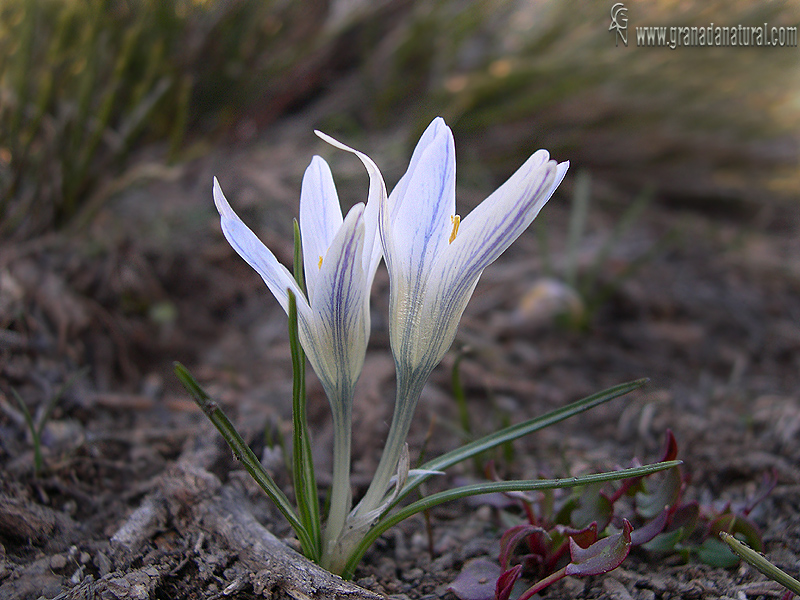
435 259
340 257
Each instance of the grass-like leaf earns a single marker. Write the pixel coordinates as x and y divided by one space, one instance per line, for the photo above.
514 432
754 559
476 489
36 428
305 483
245 455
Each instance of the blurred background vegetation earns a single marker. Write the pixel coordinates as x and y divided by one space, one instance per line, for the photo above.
87 86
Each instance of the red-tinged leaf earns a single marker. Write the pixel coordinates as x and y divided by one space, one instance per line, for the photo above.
602 556
477 580
532 563
642 535
685 516
540 544
583 537
681 524
670 447
512 537
506 581
667 493
560 537
635 483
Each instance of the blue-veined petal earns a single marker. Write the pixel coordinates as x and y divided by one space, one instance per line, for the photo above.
320 219
420 209
494 224
483 236
340 308
257 255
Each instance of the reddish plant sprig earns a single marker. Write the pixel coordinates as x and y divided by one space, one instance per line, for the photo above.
665 523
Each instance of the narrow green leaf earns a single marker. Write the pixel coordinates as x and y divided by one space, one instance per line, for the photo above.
514 432
305 484
488 488
244 454
754 559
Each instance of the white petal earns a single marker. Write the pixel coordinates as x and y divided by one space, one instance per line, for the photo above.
320 219
493 225
436 129
376 198
485 234
421 207
251 249
561 171
340 308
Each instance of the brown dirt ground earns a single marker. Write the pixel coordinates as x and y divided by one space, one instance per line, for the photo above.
128 504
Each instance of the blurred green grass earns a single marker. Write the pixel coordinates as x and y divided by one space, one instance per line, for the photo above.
86 85
702 124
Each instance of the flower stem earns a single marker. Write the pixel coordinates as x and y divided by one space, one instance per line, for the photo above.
340 487
409 388
305 483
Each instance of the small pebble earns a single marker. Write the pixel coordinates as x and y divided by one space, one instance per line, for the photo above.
58 562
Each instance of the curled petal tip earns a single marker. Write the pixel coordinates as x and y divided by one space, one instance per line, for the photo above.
332 141
219 199
561 171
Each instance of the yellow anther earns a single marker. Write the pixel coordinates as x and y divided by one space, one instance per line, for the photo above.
319 264
456 221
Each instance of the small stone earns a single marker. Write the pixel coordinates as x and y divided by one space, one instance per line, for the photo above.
615 589
574 587
443 562
58 562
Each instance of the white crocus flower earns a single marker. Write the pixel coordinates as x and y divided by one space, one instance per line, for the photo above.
435 260
340 257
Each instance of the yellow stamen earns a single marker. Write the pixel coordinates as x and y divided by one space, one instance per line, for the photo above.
319 264
456 221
